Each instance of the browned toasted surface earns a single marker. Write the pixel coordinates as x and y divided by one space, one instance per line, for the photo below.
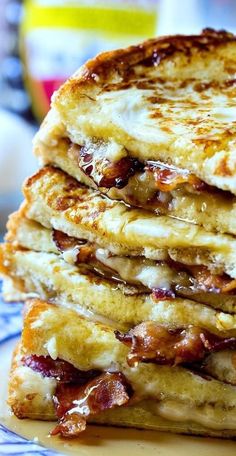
148 54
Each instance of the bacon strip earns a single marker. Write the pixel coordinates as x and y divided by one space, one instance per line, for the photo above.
61 370
168 177
85 254
212 282
75 404
64 242
105 173
117 174
161 294
202 278
151 342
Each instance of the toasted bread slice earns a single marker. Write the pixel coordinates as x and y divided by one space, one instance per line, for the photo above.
29 393
185 401
170 99
57 201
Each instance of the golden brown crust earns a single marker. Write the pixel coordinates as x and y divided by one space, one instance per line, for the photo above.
29 394
108 65
13 223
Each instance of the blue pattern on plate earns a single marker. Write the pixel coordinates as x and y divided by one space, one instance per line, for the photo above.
11 443
10 320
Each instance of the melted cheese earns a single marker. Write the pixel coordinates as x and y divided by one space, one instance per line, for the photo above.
51 346
70 255
100 150
207 415
131 270
138 271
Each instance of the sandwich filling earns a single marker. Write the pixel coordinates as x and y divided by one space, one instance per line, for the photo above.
80 395
164 279
151 185
57 201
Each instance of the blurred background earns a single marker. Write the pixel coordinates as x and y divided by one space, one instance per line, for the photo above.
42 42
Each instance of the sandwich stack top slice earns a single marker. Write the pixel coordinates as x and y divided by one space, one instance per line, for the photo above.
155 126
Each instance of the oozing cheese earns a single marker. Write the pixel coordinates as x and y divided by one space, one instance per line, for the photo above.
142 271
207 415
132 270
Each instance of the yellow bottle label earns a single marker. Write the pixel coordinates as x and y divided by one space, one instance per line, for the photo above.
58 36
122 20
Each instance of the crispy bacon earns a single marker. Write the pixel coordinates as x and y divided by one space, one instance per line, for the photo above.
85 254
75 404
168 178
108 174
70 425
117 174
64 242
207 281
61 370
161 294
151 342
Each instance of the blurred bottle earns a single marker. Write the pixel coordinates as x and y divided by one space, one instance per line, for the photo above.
16 159
191 16
13 95
57 36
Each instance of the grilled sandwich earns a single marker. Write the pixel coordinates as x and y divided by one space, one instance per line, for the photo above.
153 125
124 247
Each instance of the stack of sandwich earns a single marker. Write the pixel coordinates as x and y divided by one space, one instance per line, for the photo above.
124 248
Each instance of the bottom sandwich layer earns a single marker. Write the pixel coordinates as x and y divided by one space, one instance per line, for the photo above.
76 370
31 396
